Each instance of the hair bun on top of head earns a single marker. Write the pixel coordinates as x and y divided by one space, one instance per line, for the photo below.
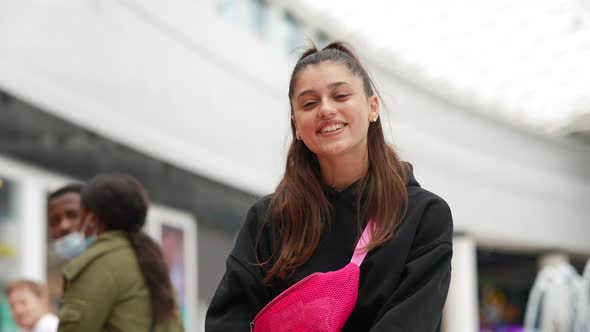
312 49
342 47
336 45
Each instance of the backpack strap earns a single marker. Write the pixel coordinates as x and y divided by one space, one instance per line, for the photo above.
359 251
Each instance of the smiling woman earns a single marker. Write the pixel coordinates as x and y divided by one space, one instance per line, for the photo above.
299 261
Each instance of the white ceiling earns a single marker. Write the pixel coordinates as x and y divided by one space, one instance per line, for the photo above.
527 60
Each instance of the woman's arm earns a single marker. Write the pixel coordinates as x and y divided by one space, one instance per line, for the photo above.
241 293
87 301
417 304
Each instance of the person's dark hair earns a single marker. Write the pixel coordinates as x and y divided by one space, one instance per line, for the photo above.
120 203
299 208
69 188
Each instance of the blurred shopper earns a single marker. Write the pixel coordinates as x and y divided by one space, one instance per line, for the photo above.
29 303
341 180
119 282
64 216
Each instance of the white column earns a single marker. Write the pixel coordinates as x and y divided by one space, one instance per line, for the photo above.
461 309
203 306
32 250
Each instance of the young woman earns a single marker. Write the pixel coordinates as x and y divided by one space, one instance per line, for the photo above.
340 174
117 280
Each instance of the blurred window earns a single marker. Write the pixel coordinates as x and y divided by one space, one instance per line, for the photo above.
293 32
7 199
322 39
504 281
259 16
9 229
9 249
228 8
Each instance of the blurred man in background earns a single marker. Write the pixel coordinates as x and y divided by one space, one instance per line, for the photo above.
64 219
63 222
29 304
64 210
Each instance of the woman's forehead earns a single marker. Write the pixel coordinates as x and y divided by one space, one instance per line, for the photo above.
325 75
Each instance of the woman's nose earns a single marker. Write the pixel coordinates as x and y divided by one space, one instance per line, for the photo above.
327 110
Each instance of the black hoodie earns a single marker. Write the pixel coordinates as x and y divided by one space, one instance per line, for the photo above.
403 284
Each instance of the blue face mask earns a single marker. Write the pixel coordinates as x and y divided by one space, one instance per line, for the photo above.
73 245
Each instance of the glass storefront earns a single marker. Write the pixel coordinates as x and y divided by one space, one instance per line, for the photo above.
10 255
504 282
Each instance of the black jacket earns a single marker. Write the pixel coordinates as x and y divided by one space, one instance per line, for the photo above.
403 284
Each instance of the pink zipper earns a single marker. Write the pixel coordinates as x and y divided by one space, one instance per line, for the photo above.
280 296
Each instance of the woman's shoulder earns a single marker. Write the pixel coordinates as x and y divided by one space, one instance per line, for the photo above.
97 255
255 231
429 215
422 198
262 204
257 213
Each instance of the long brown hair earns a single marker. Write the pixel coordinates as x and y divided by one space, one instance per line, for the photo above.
299 208
120 202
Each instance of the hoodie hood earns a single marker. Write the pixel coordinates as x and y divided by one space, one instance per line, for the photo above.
410 179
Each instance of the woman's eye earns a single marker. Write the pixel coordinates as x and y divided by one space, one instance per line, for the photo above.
342 96
308 105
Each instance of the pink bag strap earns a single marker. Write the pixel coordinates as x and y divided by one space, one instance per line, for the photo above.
359 251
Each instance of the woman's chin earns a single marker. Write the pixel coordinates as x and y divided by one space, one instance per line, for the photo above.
332 150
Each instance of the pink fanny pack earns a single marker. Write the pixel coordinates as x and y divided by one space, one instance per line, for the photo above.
321 302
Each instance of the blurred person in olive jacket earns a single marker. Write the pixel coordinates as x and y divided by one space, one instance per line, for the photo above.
118 280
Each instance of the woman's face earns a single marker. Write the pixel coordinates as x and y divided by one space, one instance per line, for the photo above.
331 111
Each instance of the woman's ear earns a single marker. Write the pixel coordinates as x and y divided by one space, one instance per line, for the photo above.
374 108
94 224
99 226
297 134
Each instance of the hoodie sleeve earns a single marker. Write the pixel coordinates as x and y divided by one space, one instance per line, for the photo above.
241 293
417 304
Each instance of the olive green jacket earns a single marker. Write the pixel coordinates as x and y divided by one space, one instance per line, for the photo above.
104 290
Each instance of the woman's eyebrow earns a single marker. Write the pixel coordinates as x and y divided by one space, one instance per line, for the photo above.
330 86
305 92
